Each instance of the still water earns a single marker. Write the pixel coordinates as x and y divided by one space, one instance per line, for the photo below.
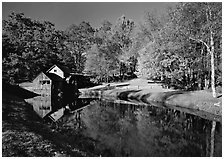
120 128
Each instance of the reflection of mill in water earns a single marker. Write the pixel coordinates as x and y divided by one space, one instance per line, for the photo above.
53 108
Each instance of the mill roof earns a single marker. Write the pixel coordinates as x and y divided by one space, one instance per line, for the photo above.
65 69
54 77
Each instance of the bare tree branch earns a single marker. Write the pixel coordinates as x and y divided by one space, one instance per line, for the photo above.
199 40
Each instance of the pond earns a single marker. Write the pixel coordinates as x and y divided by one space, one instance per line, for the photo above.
120 128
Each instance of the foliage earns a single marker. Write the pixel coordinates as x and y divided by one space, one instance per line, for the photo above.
31 46
182 48
78 40
102 61
111 55
179 44
122 35
28 47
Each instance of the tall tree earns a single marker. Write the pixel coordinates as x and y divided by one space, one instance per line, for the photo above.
79 40
179 43
201 22
102 58
122 34
28 47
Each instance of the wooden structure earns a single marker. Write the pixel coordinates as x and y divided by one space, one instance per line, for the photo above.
59 70
58 81
57 84
79 80
46 84
42 84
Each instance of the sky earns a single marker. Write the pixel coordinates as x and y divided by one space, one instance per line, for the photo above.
63 14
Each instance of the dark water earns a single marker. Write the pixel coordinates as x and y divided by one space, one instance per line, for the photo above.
118 128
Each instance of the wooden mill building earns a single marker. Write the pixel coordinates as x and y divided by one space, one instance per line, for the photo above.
47 83
56 81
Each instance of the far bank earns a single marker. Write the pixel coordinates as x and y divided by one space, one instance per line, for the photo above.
147 92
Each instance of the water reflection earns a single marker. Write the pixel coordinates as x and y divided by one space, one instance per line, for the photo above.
41 105
130 130
122 129
54 108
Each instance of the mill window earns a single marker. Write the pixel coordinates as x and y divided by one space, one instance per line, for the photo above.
45 82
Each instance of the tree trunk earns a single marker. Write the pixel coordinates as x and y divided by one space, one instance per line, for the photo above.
203 68
120 70
212 66
211 50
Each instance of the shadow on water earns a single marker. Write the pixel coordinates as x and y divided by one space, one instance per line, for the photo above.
18 91
119 128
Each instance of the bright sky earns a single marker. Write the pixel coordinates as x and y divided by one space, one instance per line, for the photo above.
63 14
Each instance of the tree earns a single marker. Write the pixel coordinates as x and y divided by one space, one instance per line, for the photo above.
154 46
102 58
29 46
201 22
178 44
101 62
122 34
79 40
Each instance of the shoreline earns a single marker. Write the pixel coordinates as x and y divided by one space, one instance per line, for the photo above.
194 100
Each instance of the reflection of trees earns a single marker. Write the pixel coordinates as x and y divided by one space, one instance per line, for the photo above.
149 131
108 125
181 133
119 129
214 140
177 135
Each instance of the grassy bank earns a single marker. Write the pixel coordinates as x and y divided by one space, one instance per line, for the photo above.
198 100
139 90
24 134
